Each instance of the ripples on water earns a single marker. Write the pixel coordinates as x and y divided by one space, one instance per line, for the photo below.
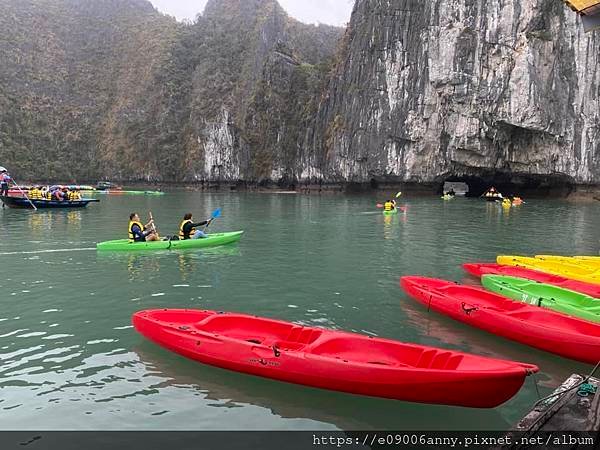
69 358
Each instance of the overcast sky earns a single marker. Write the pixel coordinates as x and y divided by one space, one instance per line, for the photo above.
333 12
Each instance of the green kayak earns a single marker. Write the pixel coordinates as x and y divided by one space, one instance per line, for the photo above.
545 295
390 213
213 240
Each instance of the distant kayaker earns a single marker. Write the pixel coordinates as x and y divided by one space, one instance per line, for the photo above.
493 194
390 205
5 179
138 232
451 193
187 228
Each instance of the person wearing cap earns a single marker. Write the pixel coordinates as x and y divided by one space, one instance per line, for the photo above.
4 180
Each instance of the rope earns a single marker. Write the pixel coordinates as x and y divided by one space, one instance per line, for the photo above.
535 383
585 381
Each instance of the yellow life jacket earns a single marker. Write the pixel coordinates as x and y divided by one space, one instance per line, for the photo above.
35 194
182 234
48 195
130 229
388 206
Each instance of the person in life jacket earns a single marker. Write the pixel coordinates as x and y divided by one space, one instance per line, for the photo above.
138 232
187 228
62 195
35 193
73 196
5 179
390 205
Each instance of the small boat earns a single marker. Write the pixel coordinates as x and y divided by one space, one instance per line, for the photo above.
479 270
579 272
544 329
23 203
213 240
334 360
392 212
544 296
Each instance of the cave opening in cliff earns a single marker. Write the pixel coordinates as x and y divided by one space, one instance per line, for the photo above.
510 184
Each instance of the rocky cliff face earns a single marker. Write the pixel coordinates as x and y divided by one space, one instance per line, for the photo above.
112 88
414 91
445 88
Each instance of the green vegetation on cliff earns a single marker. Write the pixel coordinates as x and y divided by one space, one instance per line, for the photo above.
113 88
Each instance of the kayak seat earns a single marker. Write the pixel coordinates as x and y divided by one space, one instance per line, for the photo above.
259 331
366 351
434 359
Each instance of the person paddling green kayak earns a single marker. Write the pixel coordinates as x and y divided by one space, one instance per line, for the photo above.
141 233
187 228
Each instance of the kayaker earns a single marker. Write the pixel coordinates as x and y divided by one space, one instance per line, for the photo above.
187 228
138 232
451 193
390 205
5 179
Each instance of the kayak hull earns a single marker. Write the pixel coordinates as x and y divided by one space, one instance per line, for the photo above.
574 271
213 240
333 360
546 330
586 261
23 203
544 296
393 212
479 270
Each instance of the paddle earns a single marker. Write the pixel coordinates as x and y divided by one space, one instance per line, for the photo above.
153 225
215 215
24 194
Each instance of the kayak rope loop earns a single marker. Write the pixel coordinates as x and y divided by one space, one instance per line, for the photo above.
276 352
579 386
586 389
468 311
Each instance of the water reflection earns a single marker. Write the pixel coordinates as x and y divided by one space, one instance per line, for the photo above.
348 412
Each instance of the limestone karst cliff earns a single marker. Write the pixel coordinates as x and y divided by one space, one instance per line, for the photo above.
428 90
412 91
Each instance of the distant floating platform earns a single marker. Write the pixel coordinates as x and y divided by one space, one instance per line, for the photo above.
573 407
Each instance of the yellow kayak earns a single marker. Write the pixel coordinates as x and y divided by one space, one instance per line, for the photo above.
574 271
589 262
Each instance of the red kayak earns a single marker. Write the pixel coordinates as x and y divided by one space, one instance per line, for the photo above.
566 283
540 328
334 360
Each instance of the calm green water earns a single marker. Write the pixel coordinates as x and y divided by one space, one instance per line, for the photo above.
69 358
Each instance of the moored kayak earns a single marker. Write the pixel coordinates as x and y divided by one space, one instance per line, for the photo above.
334 360
212 240
588 262
479 270
574 271
545 296
544 329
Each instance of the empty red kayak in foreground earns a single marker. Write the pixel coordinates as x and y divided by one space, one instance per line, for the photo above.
540 328
334 360
512 271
